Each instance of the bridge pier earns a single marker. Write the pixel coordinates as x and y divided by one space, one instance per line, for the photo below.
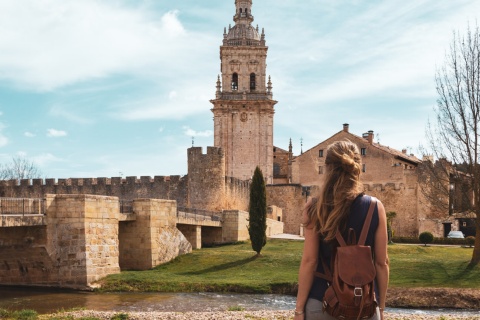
193 233
152 238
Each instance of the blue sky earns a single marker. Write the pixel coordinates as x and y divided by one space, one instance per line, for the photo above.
105 88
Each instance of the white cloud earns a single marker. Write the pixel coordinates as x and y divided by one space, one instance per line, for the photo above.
59 111
192 133
53 43
189 101
28 134
3 140
54 133
172 95
45 158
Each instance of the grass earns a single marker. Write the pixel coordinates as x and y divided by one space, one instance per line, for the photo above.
234 268
221 269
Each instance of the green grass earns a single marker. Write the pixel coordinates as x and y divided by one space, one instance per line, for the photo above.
234 268
432 266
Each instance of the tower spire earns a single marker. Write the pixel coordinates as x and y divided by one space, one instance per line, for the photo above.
243 13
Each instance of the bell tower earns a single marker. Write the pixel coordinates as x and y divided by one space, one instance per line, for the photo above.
243 107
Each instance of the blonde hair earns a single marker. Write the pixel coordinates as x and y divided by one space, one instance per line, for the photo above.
342 185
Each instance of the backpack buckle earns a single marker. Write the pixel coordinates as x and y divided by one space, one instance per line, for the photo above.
358 292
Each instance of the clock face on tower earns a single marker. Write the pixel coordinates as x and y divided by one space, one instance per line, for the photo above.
244 117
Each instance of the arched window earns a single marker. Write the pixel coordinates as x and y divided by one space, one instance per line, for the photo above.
235 81
252 82
240 10
246 10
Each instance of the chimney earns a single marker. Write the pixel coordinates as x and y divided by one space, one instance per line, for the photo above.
370 136
345 127
404 151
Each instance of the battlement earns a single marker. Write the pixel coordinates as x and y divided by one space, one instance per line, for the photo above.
101 181
383 187
211 151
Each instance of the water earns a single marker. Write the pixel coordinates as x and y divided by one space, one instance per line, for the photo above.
49 301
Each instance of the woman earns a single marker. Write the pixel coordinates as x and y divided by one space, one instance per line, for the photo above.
341 205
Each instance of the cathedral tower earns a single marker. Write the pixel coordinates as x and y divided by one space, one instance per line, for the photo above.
243 107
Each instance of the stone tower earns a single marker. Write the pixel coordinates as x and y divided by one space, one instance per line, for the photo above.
243 107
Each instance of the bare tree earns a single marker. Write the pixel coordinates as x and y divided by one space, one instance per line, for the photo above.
454 135
19 168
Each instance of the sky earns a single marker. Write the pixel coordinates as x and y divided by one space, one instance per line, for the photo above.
113 88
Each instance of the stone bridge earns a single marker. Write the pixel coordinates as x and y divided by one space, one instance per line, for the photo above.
74 240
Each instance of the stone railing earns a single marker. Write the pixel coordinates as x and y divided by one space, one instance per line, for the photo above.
198 214
248 96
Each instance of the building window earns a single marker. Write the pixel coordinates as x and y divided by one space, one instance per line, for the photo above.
235 82
320 153
364 168
320 170
252 82
363 151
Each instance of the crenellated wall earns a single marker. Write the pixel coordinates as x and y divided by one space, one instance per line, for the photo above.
129 188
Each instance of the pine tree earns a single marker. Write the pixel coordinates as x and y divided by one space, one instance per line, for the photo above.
257 215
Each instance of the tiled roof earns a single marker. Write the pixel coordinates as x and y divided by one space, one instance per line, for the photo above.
393 152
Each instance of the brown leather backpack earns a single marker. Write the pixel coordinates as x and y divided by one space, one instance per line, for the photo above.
350 294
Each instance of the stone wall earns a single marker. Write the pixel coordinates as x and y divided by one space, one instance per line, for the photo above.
274 227
237 194
235 224
289 197
403 200
206 178
129 188
81 241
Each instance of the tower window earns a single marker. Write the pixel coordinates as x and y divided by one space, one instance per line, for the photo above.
252 82
363 151
235 81
320 153
240 10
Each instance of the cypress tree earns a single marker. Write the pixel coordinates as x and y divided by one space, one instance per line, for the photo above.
257 213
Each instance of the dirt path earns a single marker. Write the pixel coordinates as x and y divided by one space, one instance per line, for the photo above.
433 298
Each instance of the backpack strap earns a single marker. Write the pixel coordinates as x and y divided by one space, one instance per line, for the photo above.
368 220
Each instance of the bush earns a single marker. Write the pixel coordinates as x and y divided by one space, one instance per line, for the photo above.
470 241
425 237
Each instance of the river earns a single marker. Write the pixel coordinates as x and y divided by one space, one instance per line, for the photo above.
51 300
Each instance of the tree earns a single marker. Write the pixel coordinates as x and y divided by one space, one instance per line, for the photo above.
19 168
257 213
425 238
453 137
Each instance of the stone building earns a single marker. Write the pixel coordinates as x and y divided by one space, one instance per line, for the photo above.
243 107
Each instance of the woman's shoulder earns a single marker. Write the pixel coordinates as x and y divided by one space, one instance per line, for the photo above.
365 198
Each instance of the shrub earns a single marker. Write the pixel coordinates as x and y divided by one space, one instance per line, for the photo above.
120 316
257 213
426 237
470 241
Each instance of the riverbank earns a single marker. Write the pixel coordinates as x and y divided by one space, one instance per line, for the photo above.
434 298
238 315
